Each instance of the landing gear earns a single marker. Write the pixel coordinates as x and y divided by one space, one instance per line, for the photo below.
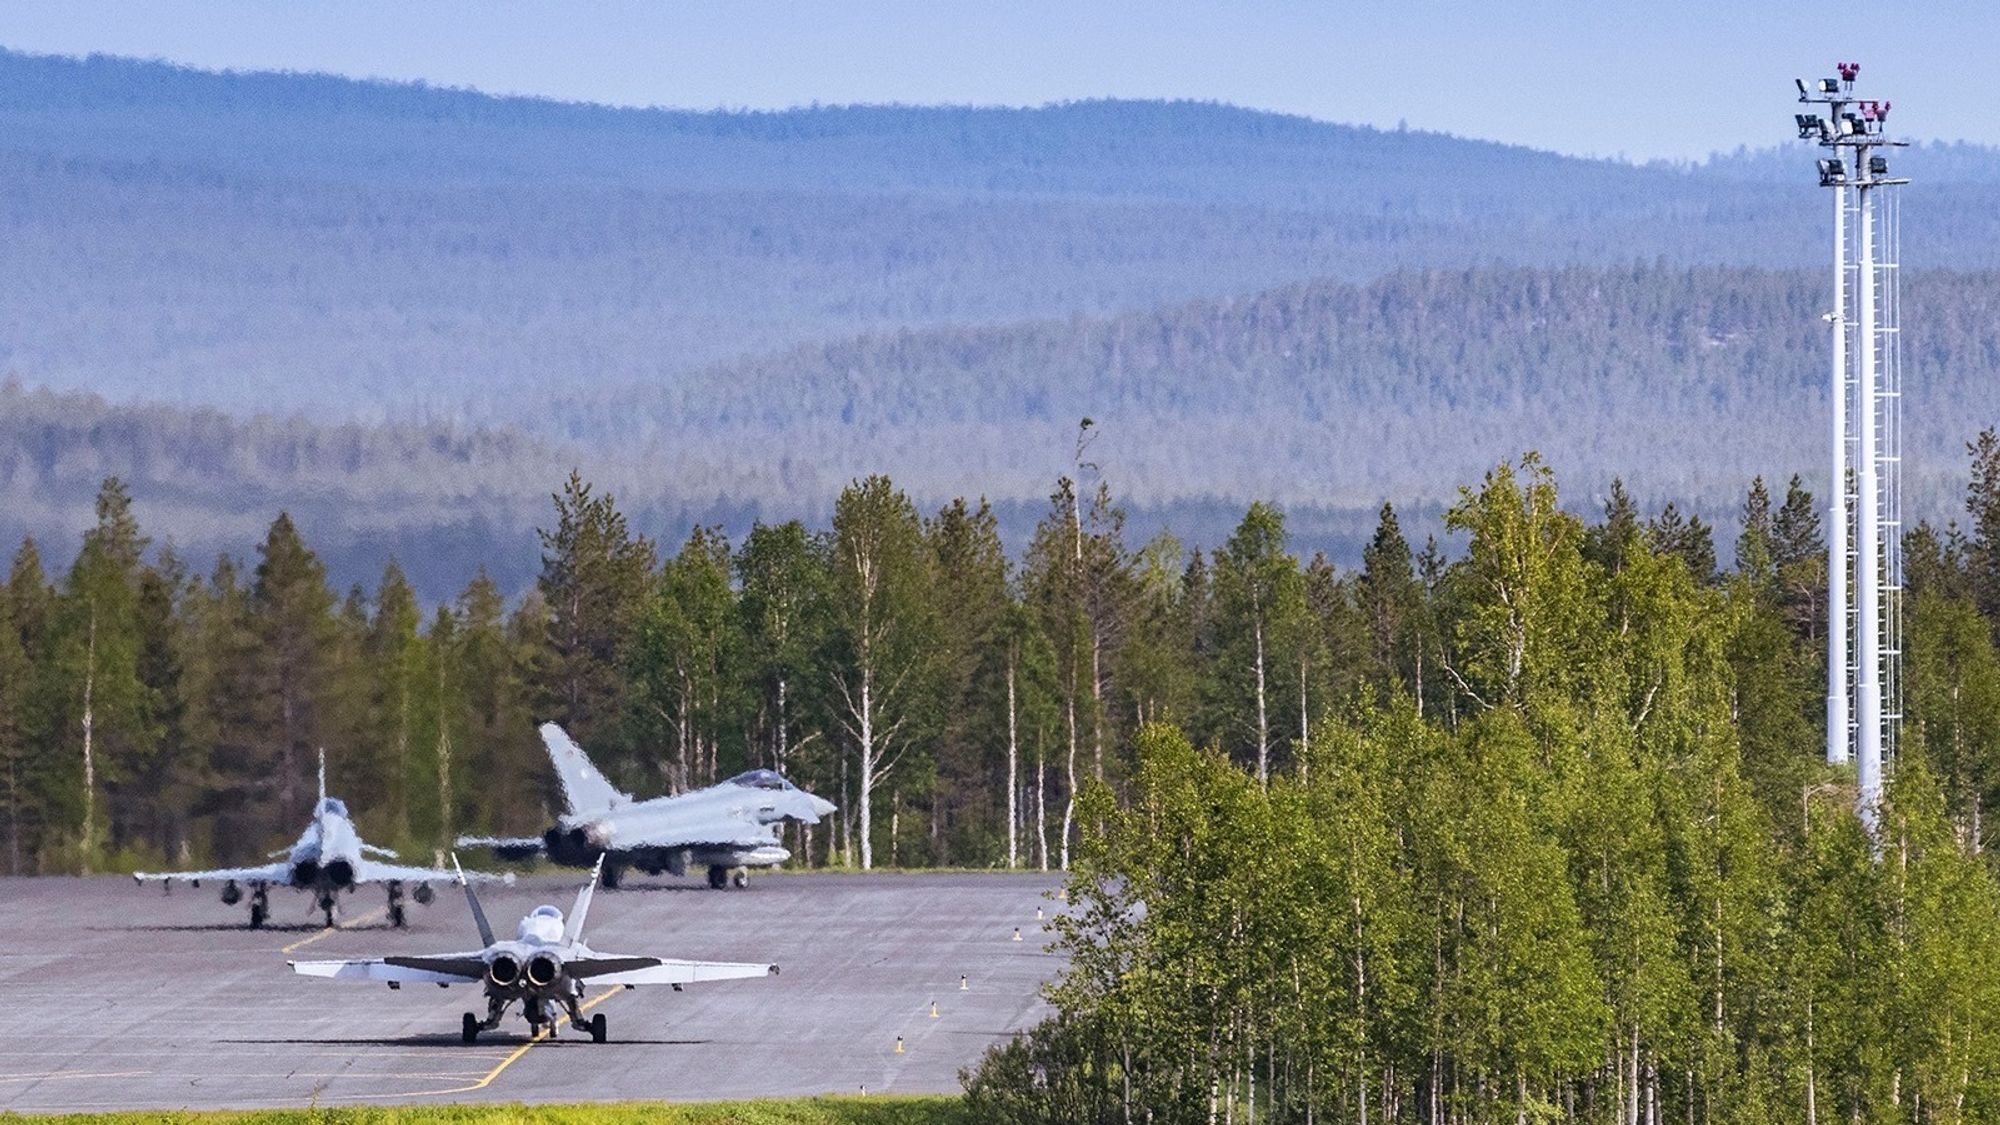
613 872
597 1029
260 907
396 917
423 894
468 1029
231 893
740 880
326 905
718 877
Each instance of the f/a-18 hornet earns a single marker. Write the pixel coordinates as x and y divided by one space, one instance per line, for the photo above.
726 828
545 967
329 858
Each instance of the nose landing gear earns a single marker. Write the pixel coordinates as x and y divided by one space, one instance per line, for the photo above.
396 917
260 907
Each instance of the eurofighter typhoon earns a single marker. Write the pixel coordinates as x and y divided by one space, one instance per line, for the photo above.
726 828
545 967
329 858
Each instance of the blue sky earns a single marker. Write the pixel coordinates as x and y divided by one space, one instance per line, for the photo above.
1609 77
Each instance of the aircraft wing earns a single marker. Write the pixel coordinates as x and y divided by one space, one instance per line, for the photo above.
452 968
714 829
505 847
610 968
268 873
370 871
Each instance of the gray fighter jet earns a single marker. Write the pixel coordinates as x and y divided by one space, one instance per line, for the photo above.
329 858
545 967
727 828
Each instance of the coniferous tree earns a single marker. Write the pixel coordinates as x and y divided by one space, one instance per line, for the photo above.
593 581
971 591
291 621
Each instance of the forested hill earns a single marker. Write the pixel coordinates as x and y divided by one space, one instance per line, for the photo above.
277 241
1327 398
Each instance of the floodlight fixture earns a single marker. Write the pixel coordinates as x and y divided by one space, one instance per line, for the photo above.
1803 92
1832 172
1829 85
1810 126
1878 165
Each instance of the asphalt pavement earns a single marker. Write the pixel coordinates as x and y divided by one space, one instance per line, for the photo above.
126 998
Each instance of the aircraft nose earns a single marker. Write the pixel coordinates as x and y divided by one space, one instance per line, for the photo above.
823 807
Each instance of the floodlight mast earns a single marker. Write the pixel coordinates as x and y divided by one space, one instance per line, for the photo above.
1866 422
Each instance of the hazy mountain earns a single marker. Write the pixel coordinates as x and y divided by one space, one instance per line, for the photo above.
386 251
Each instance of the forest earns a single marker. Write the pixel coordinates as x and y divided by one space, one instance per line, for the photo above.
1566 851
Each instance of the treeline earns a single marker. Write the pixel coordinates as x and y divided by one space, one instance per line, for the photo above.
951 697
1577 858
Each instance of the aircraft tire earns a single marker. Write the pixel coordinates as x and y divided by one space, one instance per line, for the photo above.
613 872
468 1028
256 916
740 880
718 877
396 917
597 1028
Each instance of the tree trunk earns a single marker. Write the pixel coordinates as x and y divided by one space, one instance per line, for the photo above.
443 758
1042 801
89 729
867 762
1069 773
1013 772
1263 718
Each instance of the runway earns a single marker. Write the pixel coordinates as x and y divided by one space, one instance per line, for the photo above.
125 998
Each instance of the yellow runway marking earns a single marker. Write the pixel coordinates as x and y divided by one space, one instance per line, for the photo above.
340 925
510 1060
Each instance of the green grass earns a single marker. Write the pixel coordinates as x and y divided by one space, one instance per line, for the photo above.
935 1110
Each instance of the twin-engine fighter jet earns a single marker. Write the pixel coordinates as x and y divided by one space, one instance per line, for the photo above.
546 967
329 858
726 828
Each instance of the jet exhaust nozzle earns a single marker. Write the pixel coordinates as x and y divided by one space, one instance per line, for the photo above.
305 873
503 971
340 873
543 970
573 847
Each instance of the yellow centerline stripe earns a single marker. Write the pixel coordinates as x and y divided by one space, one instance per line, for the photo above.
503 1064
340 925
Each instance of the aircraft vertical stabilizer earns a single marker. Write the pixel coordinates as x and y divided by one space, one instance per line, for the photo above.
585 789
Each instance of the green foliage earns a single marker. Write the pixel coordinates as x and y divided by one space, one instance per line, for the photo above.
1568 897
823 1110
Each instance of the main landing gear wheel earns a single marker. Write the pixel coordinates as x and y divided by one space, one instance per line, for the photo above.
740 880
468 1028
597 1030
613 872
396 918
326 907
256 915
718 877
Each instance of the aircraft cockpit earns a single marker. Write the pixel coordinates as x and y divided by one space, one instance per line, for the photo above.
760 779
332 806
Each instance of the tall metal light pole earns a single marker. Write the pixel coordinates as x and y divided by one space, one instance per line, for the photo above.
1863 693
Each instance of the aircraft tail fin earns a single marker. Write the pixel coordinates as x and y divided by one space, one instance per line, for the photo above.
585 789
573 925
472 900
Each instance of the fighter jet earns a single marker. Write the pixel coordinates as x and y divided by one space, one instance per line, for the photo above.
726 828
330 857
545 967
